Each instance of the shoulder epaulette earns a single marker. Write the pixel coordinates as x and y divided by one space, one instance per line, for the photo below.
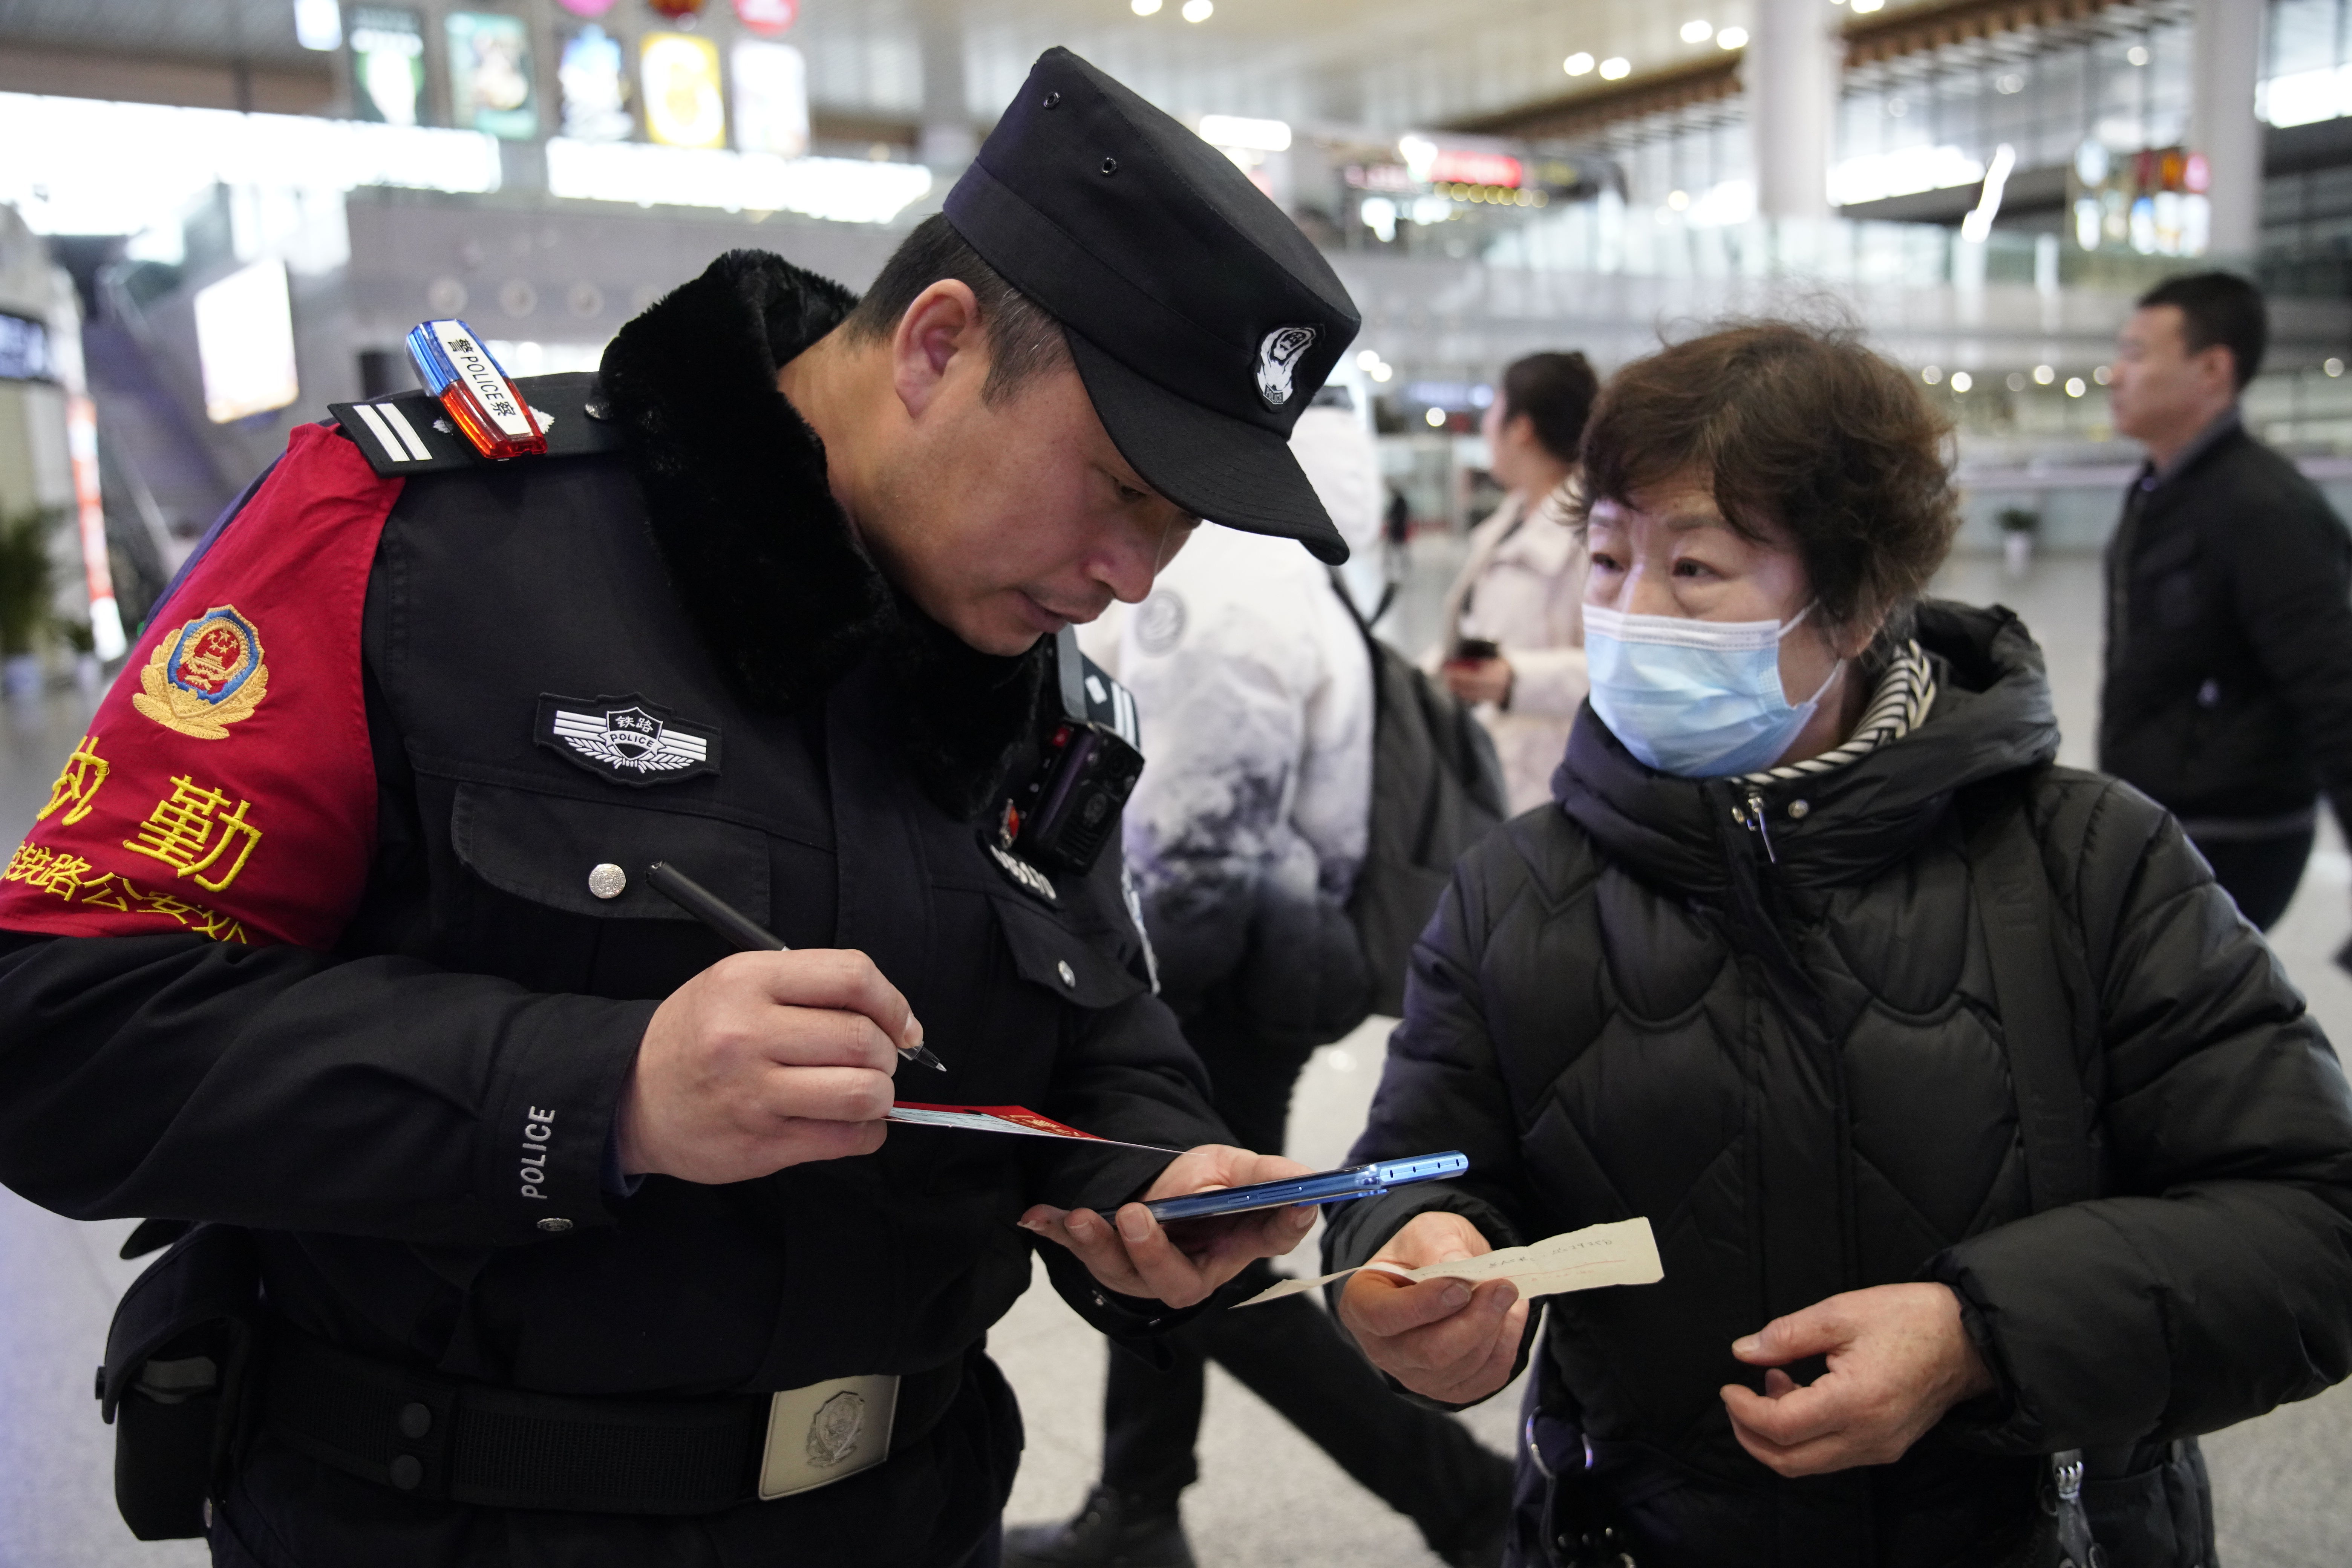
410 433
1108 702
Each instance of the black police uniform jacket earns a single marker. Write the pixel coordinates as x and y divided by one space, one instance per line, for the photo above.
375 1114
1796 1069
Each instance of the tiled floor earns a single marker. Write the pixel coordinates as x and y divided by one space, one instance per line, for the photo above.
1266 1497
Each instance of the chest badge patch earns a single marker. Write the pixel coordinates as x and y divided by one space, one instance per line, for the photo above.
1019 872
625 738
205 677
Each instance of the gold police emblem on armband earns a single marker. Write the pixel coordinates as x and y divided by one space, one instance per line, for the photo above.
206 677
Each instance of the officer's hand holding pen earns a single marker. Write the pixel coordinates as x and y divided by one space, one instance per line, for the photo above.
1134 1255
765 1059
746 934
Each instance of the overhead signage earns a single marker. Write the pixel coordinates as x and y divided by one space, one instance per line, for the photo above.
2154 202
594 79
684 107
244 344
1455 167
490 76
771 113
387 64
24 350
770 17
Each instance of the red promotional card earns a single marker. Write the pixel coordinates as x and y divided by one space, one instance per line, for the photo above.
1017 1120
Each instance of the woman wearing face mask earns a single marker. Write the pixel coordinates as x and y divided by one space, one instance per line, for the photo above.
1974 1126
1514 641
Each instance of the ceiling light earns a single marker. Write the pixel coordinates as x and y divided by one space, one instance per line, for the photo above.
318 24
1732 38
1435 418
1932 375
1382 371
1232 131
1144 7
1863 8
2017 381
2334 367
1198 10
2074 387
2100 375
1678 200
2044 375
2136 54
1366 359
1577 64
1615 67
1698 32
1962 380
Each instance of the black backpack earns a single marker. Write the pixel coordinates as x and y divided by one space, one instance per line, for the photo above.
1438 789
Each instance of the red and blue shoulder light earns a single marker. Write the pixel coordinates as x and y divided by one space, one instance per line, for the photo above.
459 370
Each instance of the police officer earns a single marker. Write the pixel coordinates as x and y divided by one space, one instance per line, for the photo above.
537 1227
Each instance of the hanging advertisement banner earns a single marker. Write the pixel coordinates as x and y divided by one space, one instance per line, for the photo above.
594 80
387 64
586 7
684 106
106 635
769 16
245 343
772 111
489 75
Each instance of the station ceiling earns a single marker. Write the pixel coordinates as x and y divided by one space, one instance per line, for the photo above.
1384 63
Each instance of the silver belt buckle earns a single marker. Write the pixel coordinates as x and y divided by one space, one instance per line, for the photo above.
826 1432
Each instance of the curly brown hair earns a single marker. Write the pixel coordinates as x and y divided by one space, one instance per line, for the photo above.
1802 428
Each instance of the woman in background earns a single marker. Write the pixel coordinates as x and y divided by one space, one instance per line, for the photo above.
1991 1156
1514 640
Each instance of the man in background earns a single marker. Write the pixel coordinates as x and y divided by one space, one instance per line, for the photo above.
2228 695
1245 835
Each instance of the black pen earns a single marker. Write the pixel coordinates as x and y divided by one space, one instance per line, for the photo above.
748 934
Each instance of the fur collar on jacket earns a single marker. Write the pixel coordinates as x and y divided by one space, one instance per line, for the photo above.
759 554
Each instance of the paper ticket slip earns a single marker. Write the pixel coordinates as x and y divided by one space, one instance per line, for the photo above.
1017 1120
1624 1253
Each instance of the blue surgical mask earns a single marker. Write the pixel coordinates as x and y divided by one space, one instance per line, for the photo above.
1695 698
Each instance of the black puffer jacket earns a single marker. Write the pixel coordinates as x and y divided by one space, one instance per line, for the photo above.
1795 1069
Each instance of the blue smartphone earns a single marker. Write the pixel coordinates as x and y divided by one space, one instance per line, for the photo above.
1323 1187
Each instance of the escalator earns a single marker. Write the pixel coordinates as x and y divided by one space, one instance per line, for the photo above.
162 484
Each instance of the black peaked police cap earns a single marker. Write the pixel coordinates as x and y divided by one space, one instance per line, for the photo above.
1201 320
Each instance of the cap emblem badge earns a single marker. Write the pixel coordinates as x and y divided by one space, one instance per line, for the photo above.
1277 358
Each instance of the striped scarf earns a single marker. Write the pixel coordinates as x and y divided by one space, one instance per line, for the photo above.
1905 694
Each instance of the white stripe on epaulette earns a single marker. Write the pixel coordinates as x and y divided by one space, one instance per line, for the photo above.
381 431
399 421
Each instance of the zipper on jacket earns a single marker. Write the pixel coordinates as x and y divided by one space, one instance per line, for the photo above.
1752 819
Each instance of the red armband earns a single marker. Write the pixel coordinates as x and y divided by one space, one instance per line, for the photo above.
226 785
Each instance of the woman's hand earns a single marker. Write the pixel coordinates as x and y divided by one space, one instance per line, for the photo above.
1479 679
1898 1358
1137 1256
1439 1338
